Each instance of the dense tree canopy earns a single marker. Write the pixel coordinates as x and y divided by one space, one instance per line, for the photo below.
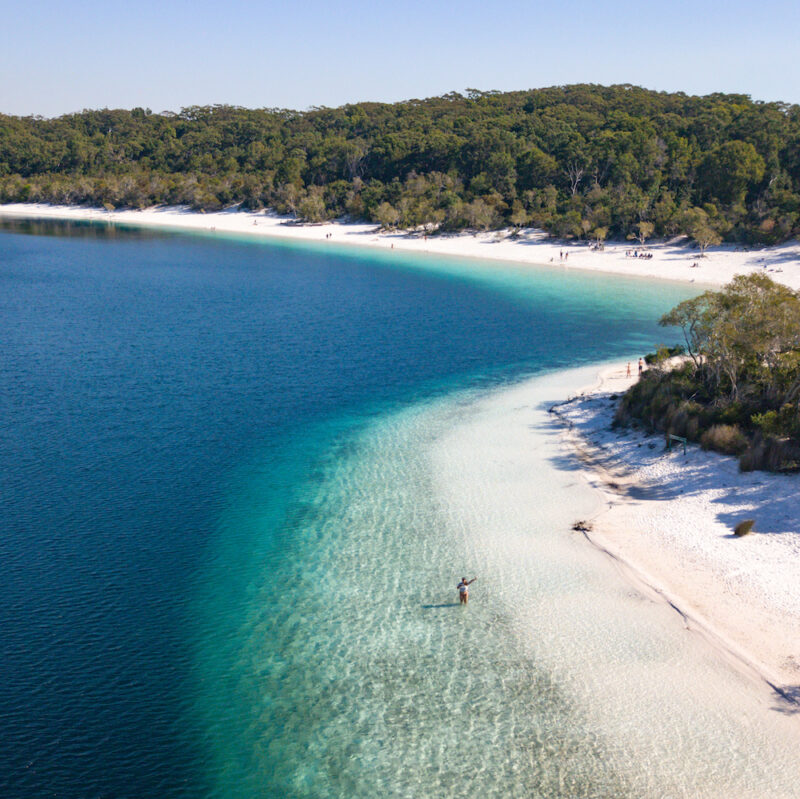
579 161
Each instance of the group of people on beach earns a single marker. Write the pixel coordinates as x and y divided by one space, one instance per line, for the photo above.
637 254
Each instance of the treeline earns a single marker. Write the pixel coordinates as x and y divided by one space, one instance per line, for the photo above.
579 161
738 390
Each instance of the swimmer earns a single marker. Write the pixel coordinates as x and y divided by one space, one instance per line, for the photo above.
463 589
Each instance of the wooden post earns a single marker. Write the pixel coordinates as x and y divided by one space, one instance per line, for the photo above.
672 438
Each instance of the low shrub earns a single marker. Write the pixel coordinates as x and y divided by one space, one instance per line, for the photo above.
678 402
770 454
662 354
744 527
725 438
734 414
737 391
683 420
783 422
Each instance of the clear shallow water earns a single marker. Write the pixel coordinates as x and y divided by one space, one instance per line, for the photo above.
358 674
229 549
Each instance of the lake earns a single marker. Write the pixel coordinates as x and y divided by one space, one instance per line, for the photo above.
240 482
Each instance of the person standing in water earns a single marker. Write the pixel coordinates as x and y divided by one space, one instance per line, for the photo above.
463 589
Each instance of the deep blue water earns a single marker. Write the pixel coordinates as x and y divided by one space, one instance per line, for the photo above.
142 376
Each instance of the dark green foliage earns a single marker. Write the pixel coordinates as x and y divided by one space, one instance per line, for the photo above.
744 527
580 161
739 390
661 355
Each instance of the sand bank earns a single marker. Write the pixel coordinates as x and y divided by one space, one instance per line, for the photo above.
668 521
670 261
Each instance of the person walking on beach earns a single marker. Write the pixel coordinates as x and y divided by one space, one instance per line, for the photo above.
463 589
641 367
628 372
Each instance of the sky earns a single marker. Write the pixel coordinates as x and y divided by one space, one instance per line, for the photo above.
58 57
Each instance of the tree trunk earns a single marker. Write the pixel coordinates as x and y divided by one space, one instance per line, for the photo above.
575 175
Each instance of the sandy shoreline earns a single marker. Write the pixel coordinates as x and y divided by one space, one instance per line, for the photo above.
667 521
670 261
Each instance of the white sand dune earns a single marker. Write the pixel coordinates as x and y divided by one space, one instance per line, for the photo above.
670 261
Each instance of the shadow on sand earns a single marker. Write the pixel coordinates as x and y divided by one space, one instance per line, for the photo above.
768 498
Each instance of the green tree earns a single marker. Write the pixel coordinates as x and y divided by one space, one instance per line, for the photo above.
312 207
387 215
519 216
614 156
480 215
645 230
699 227
728 171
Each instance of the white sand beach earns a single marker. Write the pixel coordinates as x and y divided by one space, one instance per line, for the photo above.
670 260
668 521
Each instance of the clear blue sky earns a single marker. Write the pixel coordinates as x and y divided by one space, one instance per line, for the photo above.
59 56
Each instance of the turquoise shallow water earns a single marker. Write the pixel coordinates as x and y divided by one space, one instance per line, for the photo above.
355 672
358 673
237 499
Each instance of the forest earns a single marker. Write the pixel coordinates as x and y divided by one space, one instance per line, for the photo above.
737 387
581 162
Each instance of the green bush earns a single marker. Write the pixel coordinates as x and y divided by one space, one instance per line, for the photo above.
770 454
684 420
767 422
734 413
725 438
783 422
662 354
739 391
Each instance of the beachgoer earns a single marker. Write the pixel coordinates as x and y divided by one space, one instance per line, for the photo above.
463 589
628 372
641 367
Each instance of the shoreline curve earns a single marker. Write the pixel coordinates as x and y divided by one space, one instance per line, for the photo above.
674 260
740 628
